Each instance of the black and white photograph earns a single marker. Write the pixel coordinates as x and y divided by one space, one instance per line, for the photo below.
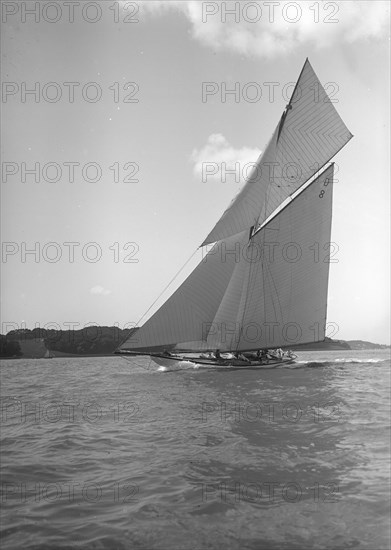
195 275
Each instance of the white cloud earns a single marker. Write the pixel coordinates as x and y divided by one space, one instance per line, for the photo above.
100 290
218 156
257 30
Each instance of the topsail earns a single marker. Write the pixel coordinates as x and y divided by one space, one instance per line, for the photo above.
309 134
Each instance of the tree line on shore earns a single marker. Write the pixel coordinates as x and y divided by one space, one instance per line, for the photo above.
92 340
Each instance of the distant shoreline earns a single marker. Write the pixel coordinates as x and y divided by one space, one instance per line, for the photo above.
102 341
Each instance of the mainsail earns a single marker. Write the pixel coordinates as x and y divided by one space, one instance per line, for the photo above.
285 268
264 285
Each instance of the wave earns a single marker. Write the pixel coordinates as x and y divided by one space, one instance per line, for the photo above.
346 360
180 365
337 362
189 365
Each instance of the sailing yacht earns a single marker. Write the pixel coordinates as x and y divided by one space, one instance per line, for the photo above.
263 284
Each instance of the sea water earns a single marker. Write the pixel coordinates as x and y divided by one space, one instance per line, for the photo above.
107 453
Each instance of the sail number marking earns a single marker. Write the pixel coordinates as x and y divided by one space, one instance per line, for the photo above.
323 191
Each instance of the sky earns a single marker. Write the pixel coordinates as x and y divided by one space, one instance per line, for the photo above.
118 105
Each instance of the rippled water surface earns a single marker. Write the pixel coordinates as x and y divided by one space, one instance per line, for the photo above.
105 453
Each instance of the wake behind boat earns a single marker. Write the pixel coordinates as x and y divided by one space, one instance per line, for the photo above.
263 284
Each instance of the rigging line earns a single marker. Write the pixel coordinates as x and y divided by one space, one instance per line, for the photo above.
267 277
263 240
246 298
275 302
168 284
249 291
245 306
